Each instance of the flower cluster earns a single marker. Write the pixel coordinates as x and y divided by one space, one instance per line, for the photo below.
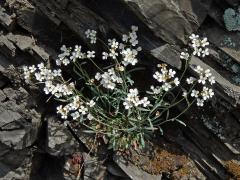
125 49
41 73
199 45
120 113
204 77
167 77
133 100
76 109
63 58
108 79
48 77
91 34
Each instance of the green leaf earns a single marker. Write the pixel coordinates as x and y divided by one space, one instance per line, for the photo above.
181 122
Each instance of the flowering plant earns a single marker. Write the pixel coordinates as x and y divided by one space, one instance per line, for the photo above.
109 104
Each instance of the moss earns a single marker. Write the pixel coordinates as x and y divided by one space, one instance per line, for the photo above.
233 168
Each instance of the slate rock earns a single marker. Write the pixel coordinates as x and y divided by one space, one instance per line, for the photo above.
60 141
19 126
93 169
171 20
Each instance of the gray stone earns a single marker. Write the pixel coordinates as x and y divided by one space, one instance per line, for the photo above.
8 116
19 127
6 20
169 19
93 169
15 165
7 47
133 171
60 140
168 54
2 96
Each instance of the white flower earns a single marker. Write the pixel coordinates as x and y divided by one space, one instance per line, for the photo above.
113 54
211 80
98 76
198 69
57 72
207 93
75 115
90 54
193 36
91 34
41 66
77 53
211 93
159 77
184 94
127 104
104 55
113 43
63 111
190 80
32 68
171 73
65 61
129 56
156 90
145 102
204 42
75 104
109 79
176 81
88 33
200 102
91 103
207 73
120 68
202 79
90 117
205 52
197 51
83 110
132 99
166 86
63 57
199 46
184 55
194 93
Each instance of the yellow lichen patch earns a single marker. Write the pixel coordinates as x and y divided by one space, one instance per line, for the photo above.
233 168
165 159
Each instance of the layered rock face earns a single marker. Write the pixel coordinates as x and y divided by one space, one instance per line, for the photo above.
34 144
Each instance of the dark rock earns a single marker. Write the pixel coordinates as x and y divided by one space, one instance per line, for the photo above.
168 54
15 164
171 20
115 170
6 20
93 169
2 96
72 13
60 140
18 126
133 171
7 47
